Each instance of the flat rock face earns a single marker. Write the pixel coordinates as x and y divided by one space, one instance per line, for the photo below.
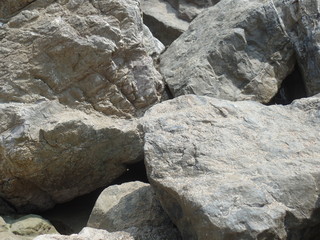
87 54
88 234
50 153
236 170
134 208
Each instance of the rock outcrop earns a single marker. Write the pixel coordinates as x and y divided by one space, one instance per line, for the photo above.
236 170
88 234
132 207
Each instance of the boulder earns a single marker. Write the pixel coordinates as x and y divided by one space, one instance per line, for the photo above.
88 234
89 55
242 53
236 170
50 153
71 73
25 227
162 19
132 207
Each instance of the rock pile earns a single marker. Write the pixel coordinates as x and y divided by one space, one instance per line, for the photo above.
86 90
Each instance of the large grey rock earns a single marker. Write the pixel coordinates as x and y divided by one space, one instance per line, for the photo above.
242 53
87 54
236 170
88 234
163 20
134 208
69 70
50 153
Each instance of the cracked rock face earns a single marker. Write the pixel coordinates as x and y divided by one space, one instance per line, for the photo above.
73 75
87 54
236 170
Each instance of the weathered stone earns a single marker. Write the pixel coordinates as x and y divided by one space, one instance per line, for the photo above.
9 7
68 70
242 53
162 20
236 170
50 153
88 234
301 21
24 228
132 207
153 46
87 54
189 9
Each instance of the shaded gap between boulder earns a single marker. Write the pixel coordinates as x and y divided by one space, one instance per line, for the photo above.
292 87
72 216
165 34
305 230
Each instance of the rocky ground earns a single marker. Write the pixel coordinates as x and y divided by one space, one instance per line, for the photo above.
159 120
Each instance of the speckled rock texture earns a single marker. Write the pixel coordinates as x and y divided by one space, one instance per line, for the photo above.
132 207
236 170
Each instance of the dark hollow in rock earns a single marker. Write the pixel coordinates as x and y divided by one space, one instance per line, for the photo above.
72 216
164 33
292 88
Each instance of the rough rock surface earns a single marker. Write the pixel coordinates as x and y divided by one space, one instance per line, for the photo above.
24 228
162 20
189 9
88 234
87 54
236 170
10 7
50 153
301 21
65 67
242 53
134 208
